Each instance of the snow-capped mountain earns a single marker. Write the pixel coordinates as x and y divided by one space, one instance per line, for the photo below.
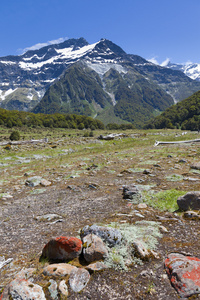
75 76
191 70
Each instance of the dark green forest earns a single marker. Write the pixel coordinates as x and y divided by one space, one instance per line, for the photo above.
184 115
14 118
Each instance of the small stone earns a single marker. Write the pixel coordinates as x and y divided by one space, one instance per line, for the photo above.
45 182
63 288
33 181
48 217
53 289
192 215
142 205
61 269
163 229
97 266
142 252
78 279
146 172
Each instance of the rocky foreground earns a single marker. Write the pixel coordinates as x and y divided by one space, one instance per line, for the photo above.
79 226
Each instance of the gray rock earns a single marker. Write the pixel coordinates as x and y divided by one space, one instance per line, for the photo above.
48 217
142 252
53 289
195 166
189 201
33 181
130 192
109 235
63 288
97 266
192 215
79 279
94 248
21 289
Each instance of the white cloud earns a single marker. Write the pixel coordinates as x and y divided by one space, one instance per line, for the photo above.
165 62
153 60
189 62
40 45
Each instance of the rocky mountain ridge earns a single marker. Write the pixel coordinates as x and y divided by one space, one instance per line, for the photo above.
107 83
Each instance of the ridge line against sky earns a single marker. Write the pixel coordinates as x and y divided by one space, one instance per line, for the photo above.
156 30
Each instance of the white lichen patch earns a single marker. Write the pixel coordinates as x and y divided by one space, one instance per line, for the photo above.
121 256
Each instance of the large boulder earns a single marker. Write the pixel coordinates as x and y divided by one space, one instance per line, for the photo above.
109 235
94 248
189 201
62 248
184 273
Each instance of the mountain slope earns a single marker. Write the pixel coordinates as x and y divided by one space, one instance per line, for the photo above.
185 114
96 80
189 69
81 90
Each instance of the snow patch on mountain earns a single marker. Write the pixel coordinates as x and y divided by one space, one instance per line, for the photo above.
4 94
102 68
67 54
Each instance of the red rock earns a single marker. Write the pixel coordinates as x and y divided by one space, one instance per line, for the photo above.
62 248
184 273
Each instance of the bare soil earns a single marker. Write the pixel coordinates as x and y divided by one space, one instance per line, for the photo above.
95 196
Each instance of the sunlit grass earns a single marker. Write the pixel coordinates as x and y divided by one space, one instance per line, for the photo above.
164 200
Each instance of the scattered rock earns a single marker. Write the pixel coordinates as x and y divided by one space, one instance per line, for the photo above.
163 229
97 266
62 248
195 166
48 217
184 161
33 181
78 279
184 273
4 262
45 182
189 201
23 289
63 288
142 205
94 248
61 269
147 273
130 191
109 235
146 172
112 136
192 215
25 274
53 289
142 252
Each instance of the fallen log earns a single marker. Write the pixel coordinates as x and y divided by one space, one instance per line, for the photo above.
45 140
176 142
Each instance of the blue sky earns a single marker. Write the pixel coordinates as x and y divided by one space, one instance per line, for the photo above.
157 29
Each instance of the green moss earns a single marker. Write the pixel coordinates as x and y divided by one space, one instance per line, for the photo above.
164 200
